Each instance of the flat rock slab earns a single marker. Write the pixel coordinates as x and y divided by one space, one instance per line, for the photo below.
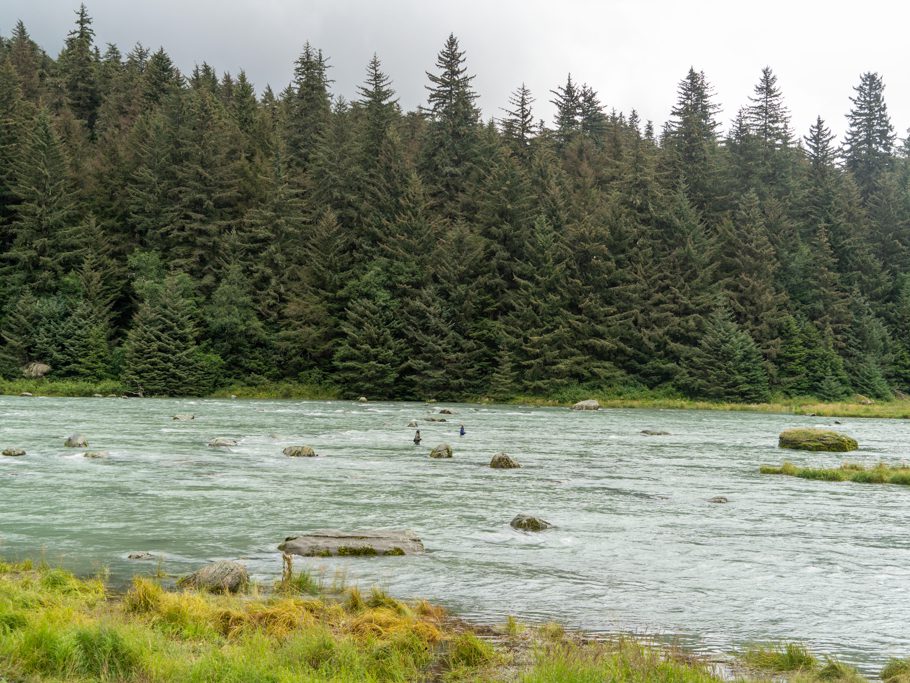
222 442
332 542
654 432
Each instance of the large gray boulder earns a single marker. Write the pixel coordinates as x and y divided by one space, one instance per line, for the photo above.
218 577
443 450
590 404
222 442
36 370
13 452
76 441
529 523
299 452
332 542
503 461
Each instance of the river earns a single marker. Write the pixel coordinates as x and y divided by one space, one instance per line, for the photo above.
636 547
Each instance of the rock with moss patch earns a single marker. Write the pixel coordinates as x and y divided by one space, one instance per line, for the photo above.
332 542
95 455
299 452
816 440
76 441
218 577
529 523
443 450
222 442
13 452
504 461
589 404
718 499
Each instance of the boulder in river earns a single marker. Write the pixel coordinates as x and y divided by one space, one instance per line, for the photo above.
183 417
13 452
654 432
362 399
718 499
222 442
26 393
434 419
97 395
76 441
36 370
95 455
142 555
816 440
503 461
299 452
218 577
443 450
412 423
446 411
589 404
529 523
331 542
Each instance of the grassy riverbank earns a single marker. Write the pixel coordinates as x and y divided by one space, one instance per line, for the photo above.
624 399
56 627
879 474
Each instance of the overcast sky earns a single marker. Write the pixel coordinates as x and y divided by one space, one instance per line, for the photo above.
633 52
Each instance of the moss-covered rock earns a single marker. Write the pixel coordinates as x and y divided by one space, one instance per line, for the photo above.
443 450
816 440
13 452
503 461
76 441
218 577
529 523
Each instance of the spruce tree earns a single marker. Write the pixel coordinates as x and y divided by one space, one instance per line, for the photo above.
518 125
309 107
870 135
79 65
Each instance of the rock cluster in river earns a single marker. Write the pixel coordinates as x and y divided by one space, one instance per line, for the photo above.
299 452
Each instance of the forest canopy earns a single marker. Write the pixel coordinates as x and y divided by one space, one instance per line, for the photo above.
178 232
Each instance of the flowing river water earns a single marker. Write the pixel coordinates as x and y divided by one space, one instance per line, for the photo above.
636 547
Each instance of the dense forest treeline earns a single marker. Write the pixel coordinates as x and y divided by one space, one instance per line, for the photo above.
177 232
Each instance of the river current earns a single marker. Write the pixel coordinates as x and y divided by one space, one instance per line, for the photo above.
636 546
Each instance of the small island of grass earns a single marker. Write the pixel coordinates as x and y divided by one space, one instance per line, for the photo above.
879 474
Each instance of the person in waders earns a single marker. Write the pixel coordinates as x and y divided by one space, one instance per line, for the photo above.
461 431
417 438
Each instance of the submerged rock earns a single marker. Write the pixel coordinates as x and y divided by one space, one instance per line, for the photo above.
503 461
299 452
76 441
590 404
183 417
446 411
331 542
654 432
95 454
26 393
529 523
816 440
140 556
13 452
434 419
97 395
718 499
412 423
218 577
222 442
443 450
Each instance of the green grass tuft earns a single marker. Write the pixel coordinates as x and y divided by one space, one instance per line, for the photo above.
880 474
896 671
783 657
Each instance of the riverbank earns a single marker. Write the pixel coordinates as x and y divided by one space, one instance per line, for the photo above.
55 626
894 409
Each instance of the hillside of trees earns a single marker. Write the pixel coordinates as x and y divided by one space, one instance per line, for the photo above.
178 232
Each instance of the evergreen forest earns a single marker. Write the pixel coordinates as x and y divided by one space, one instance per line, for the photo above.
180 232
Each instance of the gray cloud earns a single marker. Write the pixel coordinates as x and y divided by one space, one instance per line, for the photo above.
632 52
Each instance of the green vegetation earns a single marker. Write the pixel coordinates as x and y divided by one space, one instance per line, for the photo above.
181 234
879 474
817 440
55 627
